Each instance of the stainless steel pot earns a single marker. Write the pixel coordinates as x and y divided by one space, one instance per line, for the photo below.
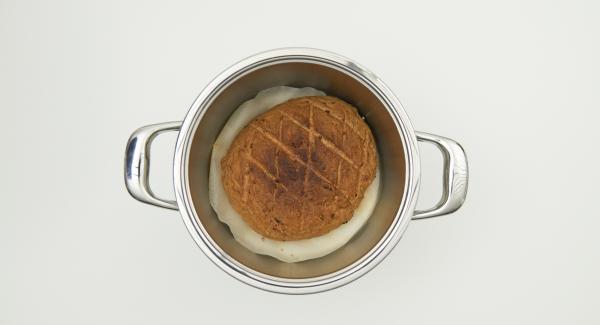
337 76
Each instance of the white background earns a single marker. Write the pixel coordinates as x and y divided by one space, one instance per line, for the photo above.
516 82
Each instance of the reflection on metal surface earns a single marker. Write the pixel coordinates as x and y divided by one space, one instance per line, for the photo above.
456 176
137 163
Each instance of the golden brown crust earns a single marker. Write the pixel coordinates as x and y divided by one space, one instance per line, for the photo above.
300 170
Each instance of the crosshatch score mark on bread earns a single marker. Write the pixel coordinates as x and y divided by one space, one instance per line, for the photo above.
301 169
276 174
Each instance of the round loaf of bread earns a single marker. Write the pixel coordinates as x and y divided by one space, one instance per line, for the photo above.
300 169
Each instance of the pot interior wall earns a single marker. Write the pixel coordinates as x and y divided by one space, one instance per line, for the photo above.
333 81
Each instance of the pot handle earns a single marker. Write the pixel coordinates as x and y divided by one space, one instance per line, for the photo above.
456 176
137 163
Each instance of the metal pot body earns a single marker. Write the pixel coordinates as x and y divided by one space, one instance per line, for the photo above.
337 76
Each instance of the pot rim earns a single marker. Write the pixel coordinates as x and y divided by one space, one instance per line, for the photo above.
303 285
